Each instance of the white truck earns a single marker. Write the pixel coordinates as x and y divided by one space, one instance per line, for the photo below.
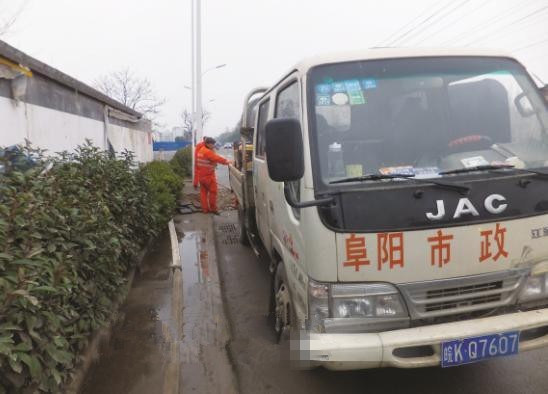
402 198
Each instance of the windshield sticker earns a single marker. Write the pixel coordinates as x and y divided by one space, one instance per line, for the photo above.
354 170
427 172
474 161
356 98
338 87
369 84
340 99
407 170
323 100
323 88
352 86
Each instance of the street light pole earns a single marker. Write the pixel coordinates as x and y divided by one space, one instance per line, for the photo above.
192 100
198 70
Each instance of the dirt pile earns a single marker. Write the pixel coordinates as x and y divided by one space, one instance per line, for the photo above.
226 201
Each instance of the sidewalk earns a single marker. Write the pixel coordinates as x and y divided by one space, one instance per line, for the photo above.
173 335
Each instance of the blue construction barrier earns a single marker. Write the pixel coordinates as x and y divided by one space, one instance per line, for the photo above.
169 145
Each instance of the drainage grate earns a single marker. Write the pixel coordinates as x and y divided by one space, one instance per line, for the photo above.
230 240
227 228
229 234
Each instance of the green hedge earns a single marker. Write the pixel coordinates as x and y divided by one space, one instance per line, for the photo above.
164 185
70 229
181 162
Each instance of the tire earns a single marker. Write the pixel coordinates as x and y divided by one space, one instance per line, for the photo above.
288 331
282 309
243 232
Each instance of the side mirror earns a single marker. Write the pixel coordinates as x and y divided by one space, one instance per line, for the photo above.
284 150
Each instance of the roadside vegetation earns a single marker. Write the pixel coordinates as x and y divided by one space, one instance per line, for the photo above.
181 162
71 229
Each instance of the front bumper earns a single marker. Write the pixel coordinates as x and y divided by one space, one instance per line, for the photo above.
373 350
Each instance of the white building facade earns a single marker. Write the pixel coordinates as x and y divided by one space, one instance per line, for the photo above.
56 112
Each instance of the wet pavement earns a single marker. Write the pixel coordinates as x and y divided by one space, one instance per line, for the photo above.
173 332
135 359
261 367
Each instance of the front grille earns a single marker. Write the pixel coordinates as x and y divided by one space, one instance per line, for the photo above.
474 291
462 295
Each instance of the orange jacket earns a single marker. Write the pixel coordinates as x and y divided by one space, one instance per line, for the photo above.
206 161
199 146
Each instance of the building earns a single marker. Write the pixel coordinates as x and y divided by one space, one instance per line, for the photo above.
57 112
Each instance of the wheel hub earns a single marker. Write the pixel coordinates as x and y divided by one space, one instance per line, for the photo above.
282 309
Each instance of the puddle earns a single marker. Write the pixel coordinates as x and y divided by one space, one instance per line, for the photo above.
195 262
195 273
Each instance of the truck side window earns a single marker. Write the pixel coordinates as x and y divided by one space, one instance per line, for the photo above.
263 117
288 105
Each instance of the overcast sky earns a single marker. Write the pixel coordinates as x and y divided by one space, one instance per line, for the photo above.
259 40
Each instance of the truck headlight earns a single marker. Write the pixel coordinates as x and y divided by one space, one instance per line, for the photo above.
318 306
366 300
535 288
355 307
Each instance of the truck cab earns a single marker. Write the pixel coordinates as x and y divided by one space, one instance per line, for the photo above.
401 197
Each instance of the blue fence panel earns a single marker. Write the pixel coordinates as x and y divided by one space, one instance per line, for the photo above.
169 145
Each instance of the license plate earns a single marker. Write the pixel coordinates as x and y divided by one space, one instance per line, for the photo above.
471 350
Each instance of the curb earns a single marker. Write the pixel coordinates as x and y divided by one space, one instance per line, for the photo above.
172 373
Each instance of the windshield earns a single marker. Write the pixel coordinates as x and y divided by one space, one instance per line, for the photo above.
424 116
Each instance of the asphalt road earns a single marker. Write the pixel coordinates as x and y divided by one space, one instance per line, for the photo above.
262 369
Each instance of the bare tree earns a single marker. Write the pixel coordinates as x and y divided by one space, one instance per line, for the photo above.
132 91
188 122
9 17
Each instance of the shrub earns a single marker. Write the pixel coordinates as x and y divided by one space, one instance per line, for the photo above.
181 162
68 236
164 186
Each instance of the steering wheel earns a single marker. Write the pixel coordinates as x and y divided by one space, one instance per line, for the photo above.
463 143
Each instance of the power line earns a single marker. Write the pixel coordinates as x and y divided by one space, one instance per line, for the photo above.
488 22
459 5
475 41
401 36
517 30
398 31
530 46
462 16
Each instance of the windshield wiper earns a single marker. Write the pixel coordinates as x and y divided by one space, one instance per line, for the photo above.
488 167
372 177
534 172
409 177
485 167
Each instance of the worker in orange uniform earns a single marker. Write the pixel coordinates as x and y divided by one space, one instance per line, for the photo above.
206 162
199 146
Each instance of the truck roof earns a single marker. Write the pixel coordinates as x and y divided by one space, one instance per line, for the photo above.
385 53
391 53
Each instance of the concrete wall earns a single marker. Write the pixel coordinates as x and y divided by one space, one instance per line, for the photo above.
57 113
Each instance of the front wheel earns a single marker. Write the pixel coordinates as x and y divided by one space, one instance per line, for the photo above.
282 304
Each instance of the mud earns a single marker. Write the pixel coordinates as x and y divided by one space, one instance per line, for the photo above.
225 199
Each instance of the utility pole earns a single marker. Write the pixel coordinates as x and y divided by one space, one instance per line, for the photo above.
192 87
198 71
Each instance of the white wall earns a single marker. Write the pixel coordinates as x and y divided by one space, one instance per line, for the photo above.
57 131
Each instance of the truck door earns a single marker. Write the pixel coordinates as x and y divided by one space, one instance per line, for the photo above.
260 176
